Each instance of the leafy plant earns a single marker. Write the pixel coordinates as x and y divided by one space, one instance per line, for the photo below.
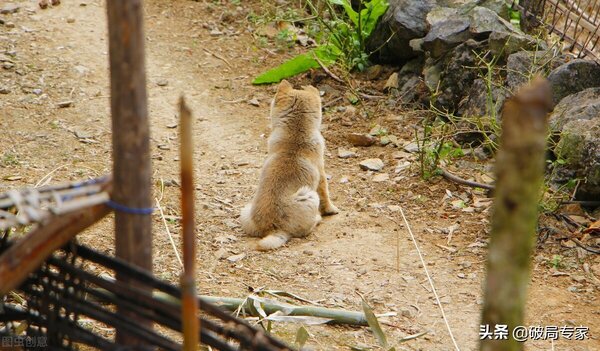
434 148
556 262
514 14
345 40
10 159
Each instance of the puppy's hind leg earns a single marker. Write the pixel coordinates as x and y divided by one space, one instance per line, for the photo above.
247 222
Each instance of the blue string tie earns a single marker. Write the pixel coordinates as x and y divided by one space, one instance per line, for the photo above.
122 208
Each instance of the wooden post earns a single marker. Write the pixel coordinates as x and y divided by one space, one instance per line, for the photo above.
519 177
189 300
131 137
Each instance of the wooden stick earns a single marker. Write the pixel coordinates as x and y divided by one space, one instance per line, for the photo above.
27 254
189 302
131 140
519 178
454 178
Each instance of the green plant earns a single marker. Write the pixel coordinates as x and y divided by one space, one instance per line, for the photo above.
514 14
434 148
10 159
556 262
344 42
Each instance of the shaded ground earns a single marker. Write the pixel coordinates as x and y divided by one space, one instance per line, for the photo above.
62 52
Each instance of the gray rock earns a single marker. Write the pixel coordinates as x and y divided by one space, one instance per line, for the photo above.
382 177
574 77
577 119
371 164
403 21
445 35
584 105
9 8
485 21
432 71
498 6
413 90
457 75
414 66
478 103
505 43
522 65
579 147
344 153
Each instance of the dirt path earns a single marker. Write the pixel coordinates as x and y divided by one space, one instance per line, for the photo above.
63 52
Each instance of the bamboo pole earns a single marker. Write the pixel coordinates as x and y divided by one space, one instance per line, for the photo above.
519 174
189 305
337 316
131 139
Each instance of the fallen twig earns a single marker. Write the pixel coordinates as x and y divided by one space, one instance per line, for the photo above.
219 57
435 294
453 178
585 247
331 102
329 73
164 220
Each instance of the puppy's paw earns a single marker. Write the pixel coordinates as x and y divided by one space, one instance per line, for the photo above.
330 210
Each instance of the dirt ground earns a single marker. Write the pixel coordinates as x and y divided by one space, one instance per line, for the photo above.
206 51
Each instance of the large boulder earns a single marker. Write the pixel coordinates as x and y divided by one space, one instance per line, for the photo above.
485 21
577 119
579 147
483 100
447 29
523 65
584 105
504 43
457 74
574 77
403 21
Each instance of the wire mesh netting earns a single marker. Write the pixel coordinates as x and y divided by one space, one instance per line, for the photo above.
64 304
576 23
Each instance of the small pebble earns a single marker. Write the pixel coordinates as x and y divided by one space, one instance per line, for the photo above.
70 19
66 103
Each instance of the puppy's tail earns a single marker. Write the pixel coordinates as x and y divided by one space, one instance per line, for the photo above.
273 241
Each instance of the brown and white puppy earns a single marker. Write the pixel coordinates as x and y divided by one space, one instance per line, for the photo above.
292 193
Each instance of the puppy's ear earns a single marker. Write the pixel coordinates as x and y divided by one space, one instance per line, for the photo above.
284 87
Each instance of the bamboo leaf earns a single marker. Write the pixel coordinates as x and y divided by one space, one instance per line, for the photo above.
374 324
257 306
301 337
327 54
291 295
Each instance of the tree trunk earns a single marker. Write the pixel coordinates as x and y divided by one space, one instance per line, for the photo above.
519 177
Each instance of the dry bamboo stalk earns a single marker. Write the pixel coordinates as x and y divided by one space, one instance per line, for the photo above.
189 313
519 174
27 254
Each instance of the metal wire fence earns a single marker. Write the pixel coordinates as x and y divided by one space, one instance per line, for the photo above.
575 22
